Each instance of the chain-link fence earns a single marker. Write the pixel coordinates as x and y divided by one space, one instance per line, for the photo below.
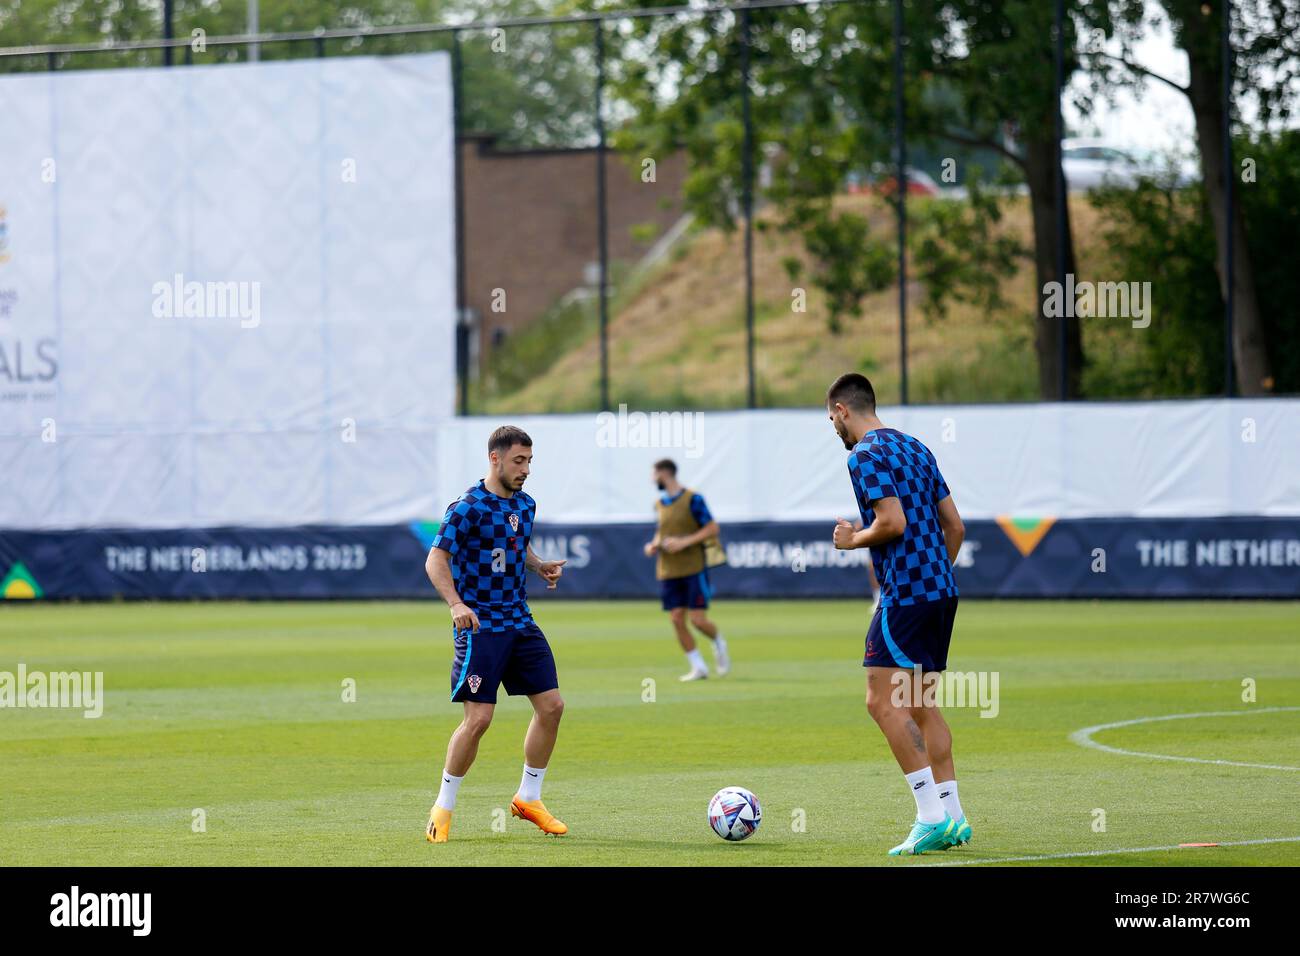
716 206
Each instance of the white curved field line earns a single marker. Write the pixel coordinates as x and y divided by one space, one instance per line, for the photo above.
1084 737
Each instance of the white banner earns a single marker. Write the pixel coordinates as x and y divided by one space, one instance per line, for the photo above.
227 293
1077 460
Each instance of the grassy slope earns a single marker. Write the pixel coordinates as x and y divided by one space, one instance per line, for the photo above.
678 340
236 709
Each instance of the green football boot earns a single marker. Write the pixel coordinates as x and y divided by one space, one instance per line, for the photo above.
925 837
961 833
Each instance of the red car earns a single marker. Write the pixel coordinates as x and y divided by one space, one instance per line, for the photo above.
885 184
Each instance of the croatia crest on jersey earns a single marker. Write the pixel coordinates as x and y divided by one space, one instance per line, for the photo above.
514 522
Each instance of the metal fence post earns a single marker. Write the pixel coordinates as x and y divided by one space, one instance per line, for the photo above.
1229 210
602 226
747 200
1058 55
900 184
254 28
462 290
168 33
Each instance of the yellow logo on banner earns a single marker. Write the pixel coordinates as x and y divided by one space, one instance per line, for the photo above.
1025 533
19 584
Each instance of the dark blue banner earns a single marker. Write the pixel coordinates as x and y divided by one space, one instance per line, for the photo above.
1038 557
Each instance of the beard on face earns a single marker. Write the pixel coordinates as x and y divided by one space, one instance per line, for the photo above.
514 484
843 432
660 485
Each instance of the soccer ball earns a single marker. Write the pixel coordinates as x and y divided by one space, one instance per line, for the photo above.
734 813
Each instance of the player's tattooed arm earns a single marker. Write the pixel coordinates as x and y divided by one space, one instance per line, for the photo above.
549 571
532 561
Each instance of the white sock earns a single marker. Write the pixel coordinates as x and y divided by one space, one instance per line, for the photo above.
530 787
929 808
697 660
948 796
719 646
447 792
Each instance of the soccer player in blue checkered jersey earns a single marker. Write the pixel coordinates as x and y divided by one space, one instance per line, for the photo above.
911 525
478 562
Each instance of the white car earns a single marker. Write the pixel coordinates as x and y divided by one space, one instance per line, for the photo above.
1090 163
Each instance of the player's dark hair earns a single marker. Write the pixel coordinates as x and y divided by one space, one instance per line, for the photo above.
853 391
668 465
506 437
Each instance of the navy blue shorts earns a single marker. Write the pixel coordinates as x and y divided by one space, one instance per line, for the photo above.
521 659
691 591
911 634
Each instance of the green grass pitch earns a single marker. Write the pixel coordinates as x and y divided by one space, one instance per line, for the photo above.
237 710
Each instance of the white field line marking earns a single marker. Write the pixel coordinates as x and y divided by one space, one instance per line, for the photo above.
1086 853
1084 737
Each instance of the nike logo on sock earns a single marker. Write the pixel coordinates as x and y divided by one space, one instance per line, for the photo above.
530 773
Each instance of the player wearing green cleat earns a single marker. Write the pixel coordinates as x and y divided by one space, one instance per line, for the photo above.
961 833
927 836
912 527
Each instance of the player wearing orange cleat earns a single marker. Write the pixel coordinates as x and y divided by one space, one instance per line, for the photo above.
439 828
534 811
478 562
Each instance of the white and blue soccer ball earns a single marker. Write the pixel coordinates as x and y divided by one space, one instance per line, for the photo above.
734 813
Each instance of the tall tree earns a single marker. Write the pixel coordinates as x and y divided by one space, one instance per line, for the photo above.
999 57
1266 62
823 100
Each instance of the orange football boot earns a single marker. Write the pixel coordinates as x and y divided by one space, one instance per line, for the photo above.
439 828
534 811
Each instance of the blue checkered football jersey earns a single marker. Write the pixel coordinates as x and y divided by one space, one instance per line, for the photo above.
487 538
914 567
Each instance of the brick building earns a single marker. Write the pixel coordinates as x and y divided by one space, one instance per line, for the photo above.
530 224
